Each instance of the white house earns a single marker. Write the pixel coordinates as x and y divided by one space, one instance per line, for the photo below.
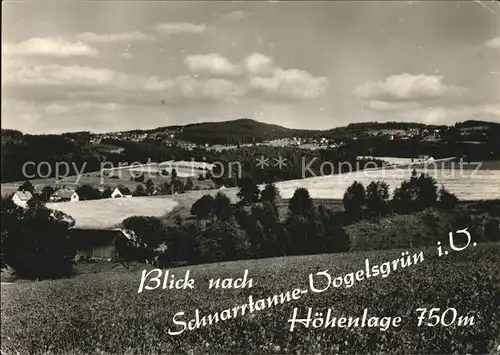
21 198
117 193
64 195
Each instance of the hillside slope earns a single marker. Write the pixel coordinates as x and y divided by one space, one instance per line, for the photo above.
107 315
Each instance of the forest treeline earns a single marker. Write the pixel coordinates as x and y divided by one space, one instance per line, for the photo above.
74 148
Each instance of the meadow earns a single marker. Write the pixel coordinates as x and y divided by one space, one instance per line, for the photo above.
110 212
394 160
104 314
183 168
466 184
463 180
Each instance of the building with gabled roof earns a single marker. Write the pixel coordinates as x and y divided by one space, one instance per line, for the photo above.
21 198
101 244
119 193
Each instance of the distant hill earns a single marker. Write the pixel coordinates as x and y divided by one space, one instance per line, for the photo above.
239 131
245 130
234 132
475 139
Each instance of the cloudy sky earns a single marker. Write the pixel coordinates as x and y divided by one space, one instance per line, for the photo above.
105 66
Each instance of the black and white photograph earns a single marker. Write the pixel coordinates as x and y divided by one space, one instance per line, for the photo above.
250 177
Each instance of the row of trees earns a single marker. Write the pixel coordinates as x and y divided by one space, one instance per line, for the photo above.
251 228
413 195
165 188
89 192
35 241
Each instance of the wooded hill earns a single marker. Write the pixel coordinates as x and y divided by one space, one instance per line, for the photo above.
475 139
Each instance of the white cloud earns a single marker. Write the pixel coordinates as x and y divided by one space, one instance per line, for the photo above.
292 84
390 106
126 55
65 107
30 118
56 83
116 37
235 15
493 109
100 106
424 98
49 47
186 87
170 28
408 87
212 63
493 43
434 114
58 75
259 64
269 79
65 116
56 109
450 115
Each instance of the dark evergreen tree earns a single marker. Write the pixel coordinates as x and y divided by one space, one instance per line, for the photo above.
87 192
203 206
377 197
106 193
447 200
354 200
36 242
27 186
248 191
189 184
140 190
47 191
301 203
222 206
150 187
270 193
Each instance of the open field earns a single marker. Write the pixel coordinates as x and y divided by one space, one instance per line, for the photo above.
481 186
183 169
485 165
110 212
103 313
463 178
467 185
395 160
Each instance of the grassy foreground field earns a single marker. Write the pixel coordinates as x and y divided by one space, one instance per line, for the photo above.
103 313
